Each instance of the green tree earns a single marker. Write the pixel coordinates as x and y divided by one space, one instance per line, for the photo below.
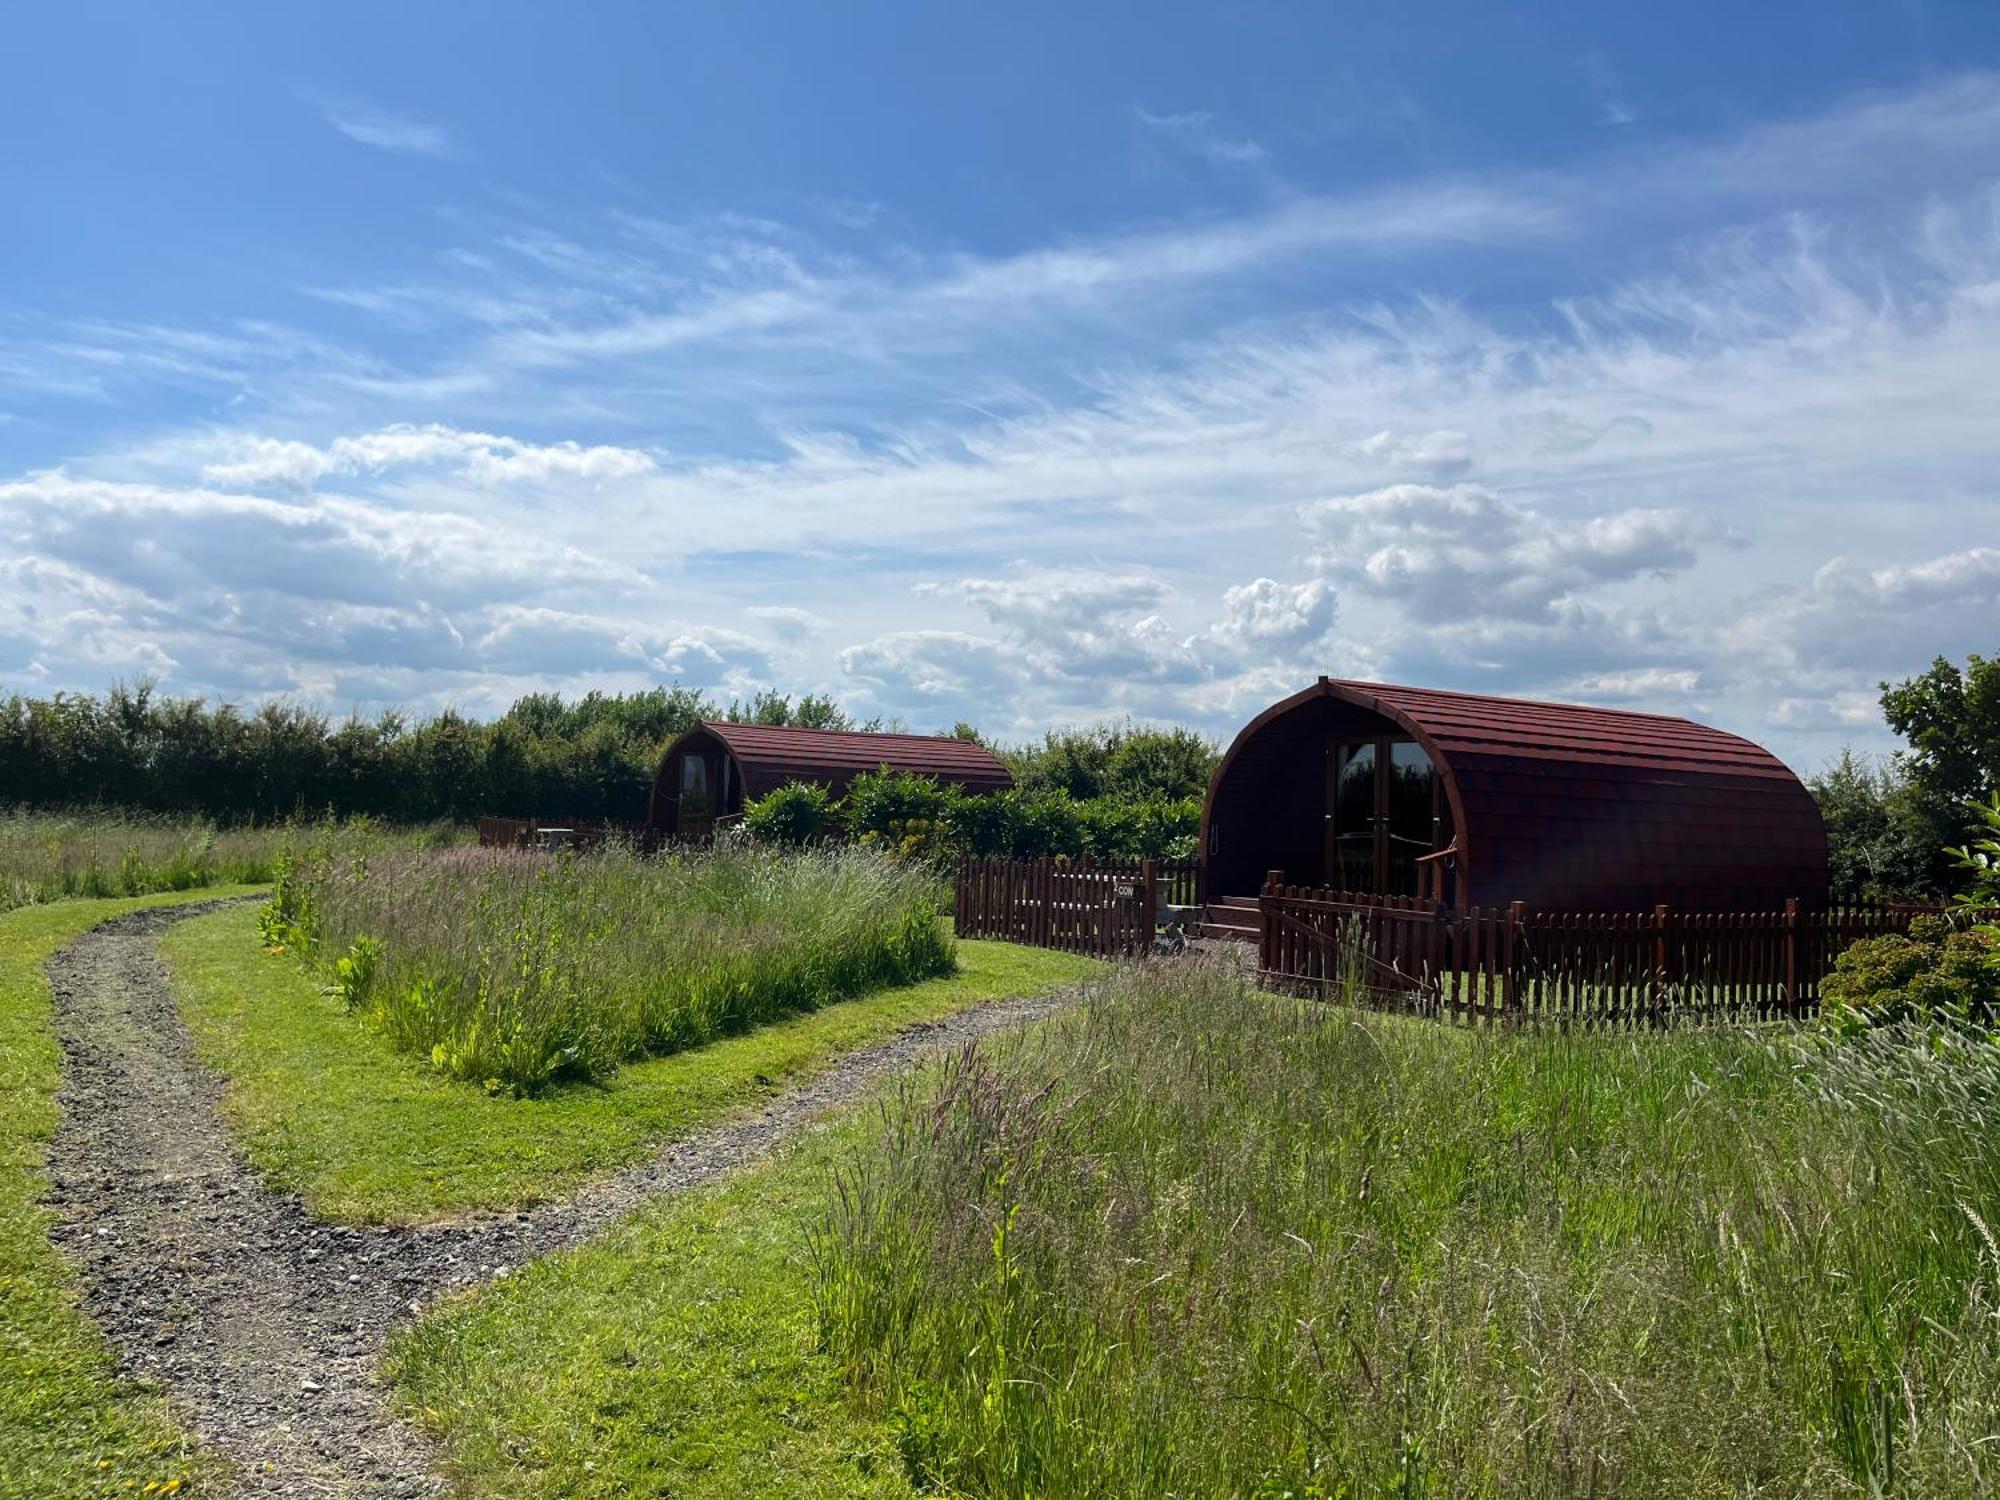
1120 760
1950 719
1879 840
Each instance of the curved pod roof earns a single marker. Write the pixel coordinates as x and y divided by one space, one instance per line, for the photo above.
1555 804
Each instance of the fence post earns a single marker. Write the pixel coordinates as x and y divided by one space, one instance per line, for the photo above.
1510 992
1267 930
1662 918
1149 902
1792 954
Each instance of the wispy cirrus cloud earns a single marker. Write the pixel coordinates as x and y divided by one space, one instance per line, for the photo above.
385 129
1196 133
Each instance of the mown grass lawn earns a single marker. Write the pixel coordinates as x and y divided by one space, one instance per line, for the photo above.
68 1425
366 1134
676 1356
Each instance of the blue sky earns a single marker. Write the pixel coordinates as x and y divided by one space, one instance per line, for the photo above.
1026 364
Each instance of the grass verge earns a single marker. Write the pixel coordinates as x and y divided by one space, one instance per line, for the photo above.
327 1108
68 1425
676 1356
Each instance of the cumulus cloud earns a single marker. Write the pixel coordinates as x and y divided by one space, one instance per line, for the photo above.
1887 620
1463 552
166 541
1264 619
1103 641
927 669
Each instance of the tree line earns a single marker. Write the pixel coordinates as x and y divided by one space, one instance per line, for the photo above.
589 758
1888 820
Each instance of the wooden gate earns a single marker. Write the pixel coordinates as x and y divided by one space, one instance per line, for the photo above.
1107 912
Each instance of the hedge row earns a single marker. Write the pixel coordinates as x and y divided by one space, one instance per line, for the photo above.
917 816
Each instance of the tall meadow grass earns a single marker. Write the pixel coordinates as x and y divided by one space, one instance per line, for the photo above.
48 856
513 967
1197 1241
55 856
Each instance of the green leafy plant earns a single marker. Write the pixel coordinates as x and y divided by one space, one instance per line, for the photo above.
797 814
906 816
1947 968
354 972
1937 971
1980 859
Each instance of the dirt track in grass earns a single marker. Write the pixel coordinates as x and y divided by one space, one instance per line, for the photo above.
264 1324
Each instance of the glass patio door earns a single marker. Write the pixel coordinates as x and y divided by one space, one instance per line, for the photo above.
697 806
1350 829
1383 814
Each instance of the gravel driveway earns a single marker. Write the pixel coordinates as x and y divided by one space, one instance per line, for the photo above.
264 1324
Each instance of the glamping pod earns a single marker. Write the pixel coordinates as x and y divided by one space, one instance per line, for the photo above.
1469 799
711 770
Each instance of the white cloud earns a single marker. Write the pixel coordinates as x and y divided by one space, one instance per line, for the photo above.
1842 712
1444 454
1265 620
255 461
1853 621
936 669
1638 685
387 130
789 624
1464 552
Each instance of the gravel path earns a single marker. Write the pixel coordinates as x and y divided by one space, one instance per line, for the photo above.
264 1324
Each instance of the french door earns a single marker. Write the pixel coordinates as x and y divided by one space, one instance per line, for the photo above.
698 801
1384 811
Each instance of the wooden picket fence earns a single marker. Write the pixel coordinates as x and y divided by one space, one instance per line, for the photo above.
1106 911
1494 965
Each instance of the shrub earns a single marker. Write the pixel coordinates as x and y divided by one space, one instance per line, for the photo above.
796 814
1940 969
1144 828
902 814
1935 971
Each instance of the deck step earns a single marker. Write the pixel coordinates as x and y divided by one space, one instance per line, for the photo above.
1230 919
